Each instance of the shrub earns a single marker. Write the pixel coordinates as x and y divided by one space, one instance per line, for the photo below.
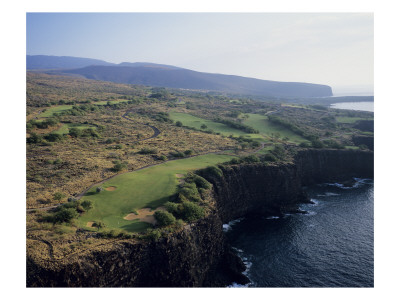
179 123
279 152
305 145
75 132
147 151
58 196
188 152
234 161
98 224
317 144
192 211
162 157
251 159
190 192
153 234
269 157
177 154
34 138
200 181
53 137
173 208
99 189
213 171
64 215
118 166
87 204
164 218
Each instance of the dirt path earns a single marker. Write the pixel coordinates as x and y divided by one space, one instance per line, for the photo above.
155 129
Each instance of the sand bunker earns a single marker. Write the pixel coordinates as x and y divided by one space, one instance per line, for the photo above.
89 224
180 176
144 215
111 188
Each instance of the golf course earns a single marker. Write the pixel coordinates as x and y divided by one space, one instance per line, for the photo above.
130 192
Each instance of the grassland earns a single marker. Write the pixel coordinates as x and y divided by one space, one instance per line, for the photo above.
49 112
349 120
147 188
196 122
266 128
70 165
255 121
64 129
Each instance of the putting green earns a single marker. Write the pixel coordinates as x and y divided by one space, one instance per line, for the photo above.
150 187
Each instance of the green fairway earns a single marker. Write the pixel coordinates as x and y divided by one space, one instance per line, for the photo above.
196 122
255 121
349 120
266 128
55 109
64 129
150 187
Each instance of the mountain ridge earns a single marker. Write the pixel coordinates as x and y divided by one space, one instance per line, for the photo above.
160 75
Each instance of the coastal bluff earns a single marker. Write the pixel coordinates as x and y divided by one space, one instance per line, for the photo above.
199 255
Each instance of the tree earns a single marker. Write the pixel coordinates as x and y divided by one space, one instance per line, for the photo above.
65 215
179 123
203 126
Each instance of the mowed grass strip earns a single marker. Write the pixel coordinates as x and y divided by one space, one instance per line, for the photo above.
150 187
349 120
196 122
64 129
55 109
266 128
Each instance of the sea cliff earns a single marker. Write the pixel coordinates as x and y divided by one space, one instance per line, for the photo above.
198 255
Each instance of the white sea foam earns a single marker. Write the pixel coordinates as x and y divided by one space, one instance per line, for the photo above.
228 226
237 250
272 217
327 194
237 285
358 182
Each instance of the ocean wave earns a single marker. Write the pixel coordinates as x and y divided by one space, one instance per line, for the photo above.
328 194
272 217
358 182
247 263
237 285
228 226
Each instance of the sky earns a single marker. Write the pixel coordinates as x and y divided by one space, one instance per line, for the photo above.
327 48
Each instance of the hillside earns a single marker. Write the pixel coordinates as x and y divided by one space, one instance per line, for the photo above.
39 62
188 79
159 75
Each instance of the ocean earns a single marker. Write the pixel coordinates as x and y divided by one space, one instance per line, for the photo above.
364 106
332 245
